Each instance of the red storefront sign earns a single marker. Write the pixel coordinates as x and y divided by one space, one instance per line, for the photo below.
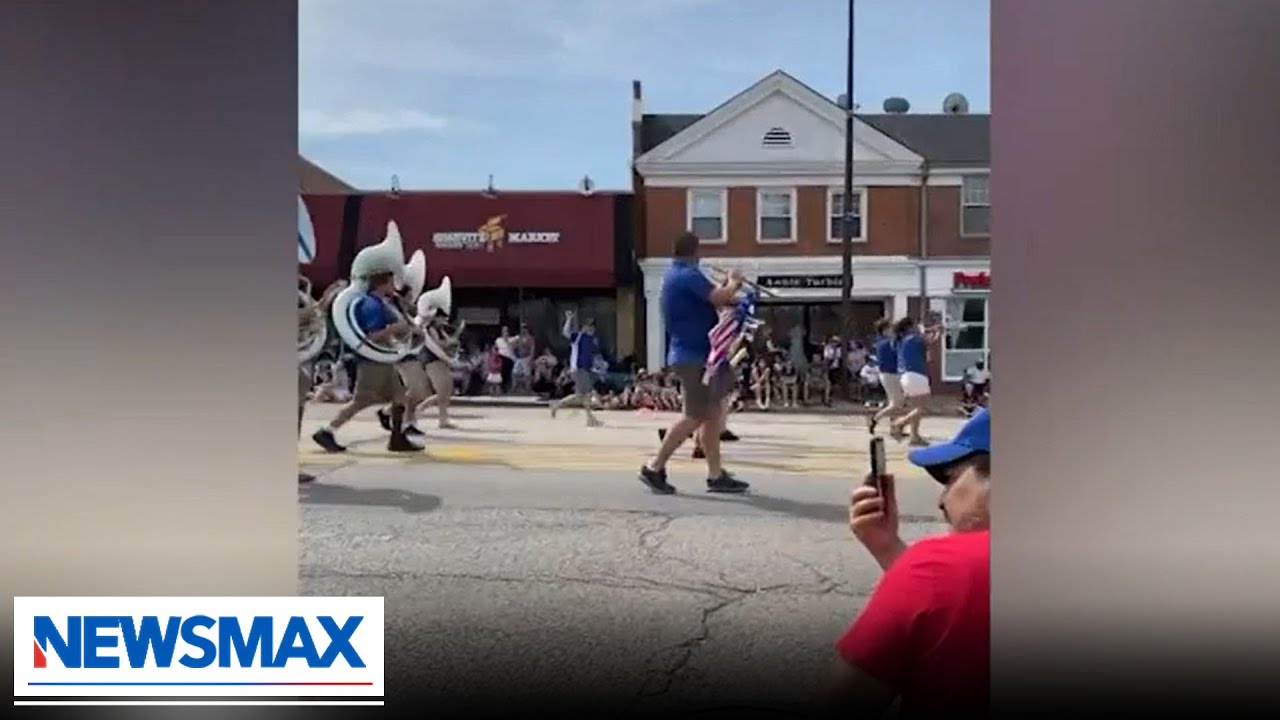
509 239
970 282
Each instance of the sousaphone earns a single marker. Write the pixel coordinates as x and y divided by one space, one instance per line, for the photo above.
437 300
313 326
410 287
385 257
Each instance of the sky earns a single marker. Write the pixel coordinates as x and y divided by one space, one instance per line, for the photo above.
537 93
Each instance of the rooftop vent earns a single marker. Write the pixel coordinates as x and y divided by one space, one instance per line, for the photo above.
777 138
896 106
955 104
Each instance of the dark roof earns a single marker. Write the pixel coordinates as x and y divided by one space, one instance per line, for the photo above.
948 140
314 179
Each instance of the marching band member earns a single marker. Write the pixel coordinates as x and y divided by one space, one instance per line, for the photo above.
412 367
689 304
368 323
582 344
440 351
308 315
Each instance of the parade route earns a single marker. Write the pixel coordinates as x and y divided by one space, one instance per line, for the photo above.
520 557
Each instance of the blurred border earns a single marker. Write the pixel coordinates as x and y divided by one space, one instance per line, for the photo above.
1134 181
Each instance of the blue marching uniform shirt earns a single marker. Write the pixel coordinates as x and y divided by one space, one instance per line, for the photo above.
912 356
886 356
582 350
372 314
688 313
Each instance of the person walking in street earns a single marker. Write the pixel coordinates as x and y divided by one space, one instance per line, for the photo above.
689 304
582 351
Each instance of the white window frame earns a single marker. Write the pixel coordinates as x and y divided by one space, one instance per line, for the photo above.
949 323
964 204
760 193
723 194
861 193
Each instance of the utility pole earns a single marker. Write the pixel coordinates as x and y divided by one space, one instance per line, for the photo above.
846 226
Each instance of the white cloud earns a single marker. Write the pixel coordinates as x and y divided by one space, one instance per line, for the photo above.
367 122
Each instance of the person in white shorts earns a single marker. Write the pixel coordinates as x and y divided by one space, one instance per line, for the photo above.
913 364
886 355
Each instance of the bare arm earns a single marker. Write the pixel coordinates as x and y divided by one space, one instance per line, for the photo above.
726 293
567 330
429 341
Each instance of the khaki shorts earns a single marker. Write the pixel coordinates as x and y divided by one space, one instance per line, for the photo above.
701 400
439 378
413 374
583 384
377 383
892 384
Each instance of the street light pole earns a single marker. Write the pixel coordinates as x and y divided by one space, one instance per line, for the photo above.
846 225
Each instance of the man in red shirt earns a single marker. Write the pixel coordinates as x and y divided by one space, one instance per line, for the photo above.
924 635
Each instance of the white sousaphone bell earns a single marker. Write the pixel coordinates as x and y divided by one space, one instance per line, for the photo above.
313 326
385 257
438 300
410 287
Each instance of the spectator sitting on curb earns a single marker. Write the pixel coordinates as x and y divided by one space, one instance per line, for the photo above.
924 635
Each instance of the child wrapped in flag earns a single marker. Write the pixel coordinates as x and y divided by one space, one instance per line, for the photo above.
732 335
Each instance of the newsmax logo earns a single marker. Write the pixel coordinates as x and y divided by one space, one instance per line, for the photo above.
198 647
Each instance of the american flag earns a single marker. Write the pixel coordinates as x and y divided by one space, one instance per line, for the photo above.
735 321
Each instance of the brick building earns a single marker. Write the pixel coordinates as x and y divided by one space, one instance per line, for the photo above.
760 180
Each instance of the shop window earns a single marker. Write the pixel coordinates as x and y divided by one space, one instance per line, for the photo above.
966 338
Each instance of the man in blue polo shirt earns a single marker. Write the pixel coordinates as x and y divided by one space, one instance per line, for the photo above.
582 351
376 383
689 302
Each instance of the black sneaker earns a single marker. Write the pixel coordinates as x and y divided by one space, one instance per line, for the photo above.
413 431
656 481
726 483
728 436
304 478
325 439
402 444
384 419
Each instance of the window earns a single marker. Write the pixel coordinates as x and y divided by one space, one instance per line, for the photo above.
966 340
835 215
775 211
975 206
706 214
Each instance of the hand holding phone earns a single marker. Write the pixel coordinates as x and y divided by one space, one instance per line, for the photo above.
879 466
873 510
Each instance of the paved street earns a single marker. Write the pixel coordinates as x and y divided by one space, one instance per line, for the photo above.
520 557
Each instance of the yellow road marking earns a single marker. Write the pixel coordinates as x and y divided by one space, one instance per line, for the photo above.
822 461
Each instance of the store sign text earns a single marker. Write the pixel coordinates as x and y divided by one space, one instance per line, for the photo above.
801 282
971 282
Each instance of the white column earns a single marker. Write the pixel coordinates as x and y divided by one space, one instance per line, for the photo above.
899 305
655 332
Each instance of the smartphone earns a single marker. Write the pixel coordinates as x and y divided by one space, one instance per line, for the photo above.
878 467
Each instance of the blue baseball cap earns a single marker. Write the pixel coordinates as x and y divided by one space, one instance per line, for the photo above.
974 437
